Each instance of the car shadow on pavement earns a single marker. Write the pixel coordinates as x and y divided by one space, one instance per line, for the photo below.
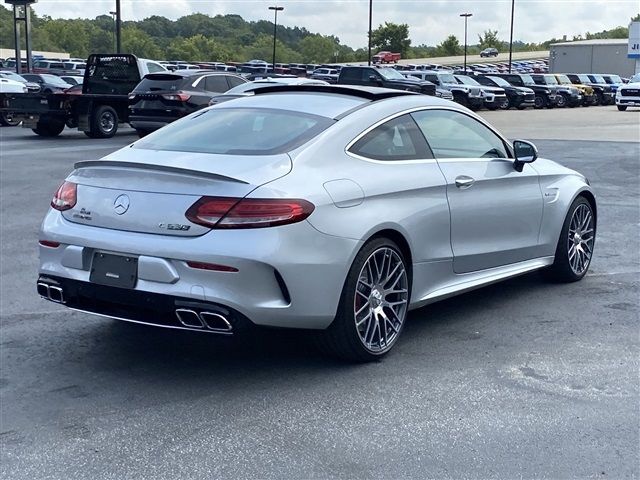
171 352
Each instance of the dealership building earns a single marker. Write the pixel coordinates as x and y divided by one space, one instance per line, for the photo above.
620 56
592 56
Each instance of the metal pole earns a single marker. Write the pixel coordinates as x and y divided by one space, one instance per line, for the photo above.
118 27
16 31
466 16
27 37
115 43
275 32
275 9
513 6
370 24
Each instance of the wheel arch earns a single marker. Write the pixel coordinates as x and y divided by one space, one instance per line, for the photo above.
400 240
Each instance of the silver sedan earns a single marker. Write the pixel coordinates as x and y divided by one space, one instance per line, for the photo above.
330 208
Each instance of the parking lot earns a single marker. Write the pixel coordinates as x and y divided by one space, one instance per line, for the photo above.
523 379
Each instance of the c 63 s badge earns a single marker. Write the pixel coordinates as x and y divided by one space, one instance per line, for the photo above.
174 226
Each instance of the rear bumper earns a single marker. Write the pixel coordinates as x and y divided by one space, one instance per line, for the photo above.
288 276
141 122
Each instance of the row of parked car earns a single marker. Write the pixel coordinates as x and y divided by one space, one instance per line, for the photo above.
164 96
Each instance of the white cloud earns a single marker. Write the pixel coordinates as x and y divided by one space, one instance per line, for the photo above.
430 21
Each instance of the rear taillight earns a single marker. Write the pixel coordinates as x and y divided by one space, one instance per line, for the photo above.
177 97
65 197
225 212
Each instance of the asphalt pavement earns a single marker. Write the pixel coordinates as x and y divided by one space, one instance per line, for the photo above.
522 379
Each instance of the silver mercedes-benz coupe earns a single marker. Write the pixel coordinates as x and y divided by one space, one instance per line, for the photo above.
317 207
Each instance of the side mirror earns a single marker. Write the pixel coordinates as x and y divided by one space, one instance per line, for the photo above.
374 79
525 152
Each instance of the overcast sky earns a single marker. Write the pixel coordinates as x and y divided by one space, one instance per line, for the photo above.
430 21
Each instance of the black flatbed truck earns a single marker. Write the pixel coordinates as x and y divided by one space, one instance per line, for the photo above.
98 110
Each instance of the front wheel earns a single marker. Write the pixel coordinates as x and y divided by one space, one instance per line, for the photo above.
563 101
575 246
373 305
506 105
48 129
540 102
622 108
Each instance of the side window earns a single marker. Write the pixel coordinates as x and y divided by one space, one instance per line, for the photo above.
154 67
216 83
366 73
453 134
234 81
397 139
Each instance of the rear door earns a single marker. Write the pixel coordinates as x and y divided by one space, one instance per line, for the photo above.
496 211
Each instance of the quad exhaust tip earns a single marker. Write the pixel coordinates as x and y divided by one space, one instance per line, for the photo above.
51 292
214 322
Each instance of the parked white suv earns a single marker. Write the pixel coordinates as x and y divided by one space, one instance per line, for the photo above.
629 95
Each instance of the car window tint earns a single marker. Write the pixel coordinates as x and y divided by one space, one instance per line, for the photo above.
235 81
453 134
397 139
237 131
216 83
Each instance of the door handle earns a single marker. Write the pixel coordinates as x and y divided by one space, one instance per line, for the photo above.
464 182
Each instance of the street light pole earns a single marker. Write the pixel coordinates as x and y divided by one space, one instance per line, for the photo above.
370 24
513 7
118 27
275 9
466 17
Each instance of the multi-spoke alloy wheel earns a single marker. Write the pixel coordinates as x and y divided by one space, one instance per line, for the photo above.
575 246
373 305
580 239
380 303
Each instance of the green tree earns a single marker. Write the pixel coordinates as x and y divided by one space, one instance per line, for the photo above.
198 48
318 49
449 47
489 39
391 36
636 18
262 49
139 43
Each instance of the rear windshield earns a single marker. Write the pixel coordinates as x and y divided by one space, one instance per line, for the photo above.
238 131
160 82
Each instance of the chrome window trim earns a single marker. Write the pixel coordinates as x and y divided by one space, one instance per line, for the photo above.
427 160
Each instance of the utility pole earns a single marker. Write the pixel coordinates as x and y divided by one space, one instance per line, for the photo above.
370 24
118 27
513 7
466 16
275 9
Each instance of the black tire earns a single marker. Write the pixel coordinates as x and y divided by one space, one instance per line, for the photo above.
563 100
49 129
622 108
142 133
539 102
561 270
342 338
104 122
461 98
599 99
8 120
506 105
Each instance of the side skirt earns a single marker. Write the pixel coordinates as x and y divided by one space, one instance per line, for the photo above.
461 283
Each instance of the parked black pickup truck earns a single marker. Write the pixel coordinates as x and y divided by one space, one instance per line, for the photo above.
97 110
384 77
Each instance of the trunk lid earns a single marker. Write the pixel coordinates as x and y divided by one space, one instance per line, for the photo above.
129 191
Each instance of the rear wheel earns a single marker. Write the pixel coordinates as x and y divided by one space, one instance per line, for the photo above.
622 108
104 122
575 246
373 305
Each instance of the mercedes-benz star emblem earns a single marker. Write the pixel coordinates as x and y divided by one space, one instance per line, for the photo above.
121 204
